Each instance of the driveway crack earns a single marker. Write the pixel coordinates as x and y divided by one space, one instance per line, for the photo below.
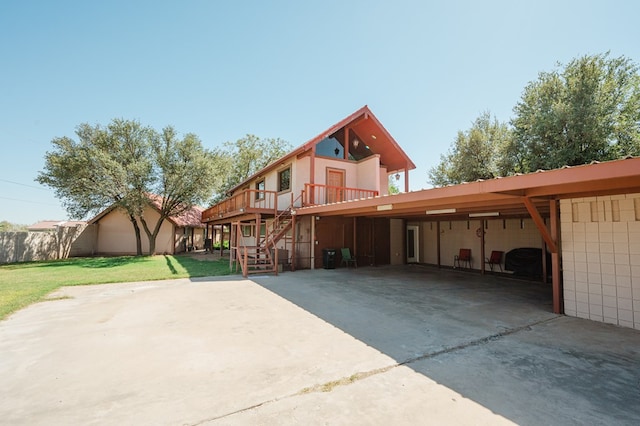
345 381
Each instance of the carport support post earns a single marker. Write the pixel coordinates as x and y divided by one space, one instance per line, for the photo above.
558 305
482 225
438 242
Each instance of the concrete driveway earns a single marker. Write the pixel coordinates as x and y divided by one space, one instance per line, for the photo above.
387 345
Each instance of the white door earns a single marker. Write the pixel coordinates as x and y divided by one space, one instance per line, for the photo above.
413 246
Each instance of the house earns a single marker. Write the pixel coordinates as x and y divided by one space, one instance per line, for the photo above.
330 193
349 161
52 225
115 234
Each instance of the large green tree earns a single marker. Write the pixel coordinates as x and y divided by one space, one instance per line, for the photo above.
105 166
474 154
186 174
245 157
121 165
589 110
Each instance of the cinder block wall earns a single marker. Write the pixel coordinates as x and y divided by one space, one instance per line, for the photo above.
601 258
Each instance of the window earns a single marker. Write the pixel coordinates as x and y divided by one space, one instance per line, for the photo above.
260 190
247 230
284 179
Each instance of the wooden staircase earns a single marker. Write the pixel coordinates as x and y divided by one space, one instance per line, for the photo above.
262 258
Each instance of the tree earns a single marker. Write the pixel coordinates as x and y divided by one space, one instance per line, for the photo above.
6 226
392 186
186 174
123 165
106 166
475 153
590 110
245 157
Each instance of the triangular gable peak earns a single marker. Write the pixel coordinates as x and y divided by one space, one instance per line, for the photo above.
365 135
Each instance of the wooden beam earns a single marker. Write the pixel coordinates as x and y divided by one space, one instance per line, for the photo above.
537 219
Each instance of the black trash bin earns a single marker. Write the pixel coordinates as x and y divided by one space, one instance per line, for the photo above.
329 258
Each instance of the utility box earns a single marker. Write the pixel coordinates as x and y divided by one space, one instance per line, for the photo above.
329 258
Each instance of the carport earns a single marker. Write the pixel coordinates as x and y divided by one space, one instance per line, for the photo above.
534 196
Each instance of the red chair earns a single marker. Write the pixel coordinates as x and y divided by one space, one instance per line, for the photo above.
495 259
463 258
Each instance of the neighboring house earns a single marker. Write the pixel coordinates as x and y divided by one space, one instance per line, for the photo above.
115 234
52 225
331 193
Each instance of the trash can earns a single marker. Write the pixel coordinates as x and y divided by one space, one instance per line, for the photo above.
329 258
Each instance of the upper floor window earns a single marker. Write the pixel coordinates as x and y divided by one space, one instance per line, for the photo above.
260 190
284 179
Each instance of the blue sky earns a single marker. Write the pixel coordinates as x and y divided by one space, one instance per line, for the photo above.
281 69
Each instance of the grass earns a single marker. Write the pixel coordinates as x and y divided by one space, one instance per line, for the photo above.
22 284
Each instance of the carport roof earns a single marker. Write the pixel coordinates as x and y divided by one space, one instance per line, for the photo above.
505 196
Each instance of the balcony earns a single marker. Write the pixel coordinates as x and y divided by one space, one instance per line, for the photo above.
252 201
315 194
247 201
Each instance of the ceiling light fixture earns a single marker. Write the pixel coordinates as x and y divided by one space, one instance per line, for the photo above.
441 211
373 137
484 214
356 142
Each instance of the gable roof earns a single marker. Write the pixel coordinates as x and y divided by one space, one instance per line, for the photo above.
191 218
368 129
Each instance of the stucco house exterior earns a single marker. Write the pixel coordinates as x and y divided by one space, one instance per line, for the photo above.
331 193
115 235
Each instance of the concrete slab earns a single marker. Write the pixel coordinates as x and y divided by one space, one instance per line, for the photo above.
368 346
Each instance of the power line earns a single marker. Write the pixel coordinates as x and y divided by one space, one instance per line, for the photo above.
24 184
27 201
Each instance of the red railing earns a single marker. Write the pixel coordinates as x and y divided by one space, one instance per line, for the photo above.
316 194
241 202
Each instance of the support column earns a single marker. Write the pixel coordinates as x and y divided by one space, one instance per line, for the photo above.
312 252
483 222
406 179
346 143
438 242
558 302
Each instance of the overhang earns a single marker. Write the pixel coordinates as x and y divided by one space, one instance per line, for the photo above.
503 197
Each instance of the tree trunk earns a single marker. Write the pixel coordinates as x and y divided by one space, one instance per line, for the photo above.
136 229
152 235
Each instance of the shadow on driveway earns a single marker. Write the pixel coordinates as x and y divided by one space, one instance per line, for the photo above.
492 339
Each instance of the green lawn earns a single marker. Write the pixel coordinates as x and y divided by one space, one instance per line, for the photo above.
24 283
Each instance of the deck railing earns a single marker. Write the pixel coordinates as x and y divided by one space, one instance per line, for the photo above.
313 194
241 202
317 194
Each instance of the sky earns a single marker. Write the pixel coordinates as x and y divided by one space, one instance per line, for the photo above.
277 69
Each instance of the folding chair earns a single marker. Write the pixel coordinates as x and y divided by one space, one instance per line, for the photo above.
495 259
463 258
346 257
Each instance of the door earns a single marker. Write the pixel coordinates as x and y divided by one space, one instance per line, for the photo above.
335 185
413 246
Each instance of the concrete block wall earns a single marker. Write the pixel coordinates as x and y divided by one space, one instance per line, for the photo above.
600 238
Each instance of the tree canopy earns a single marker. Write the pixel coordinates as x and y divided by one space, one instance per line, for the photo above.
245 157
122 164
473 154
588 110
